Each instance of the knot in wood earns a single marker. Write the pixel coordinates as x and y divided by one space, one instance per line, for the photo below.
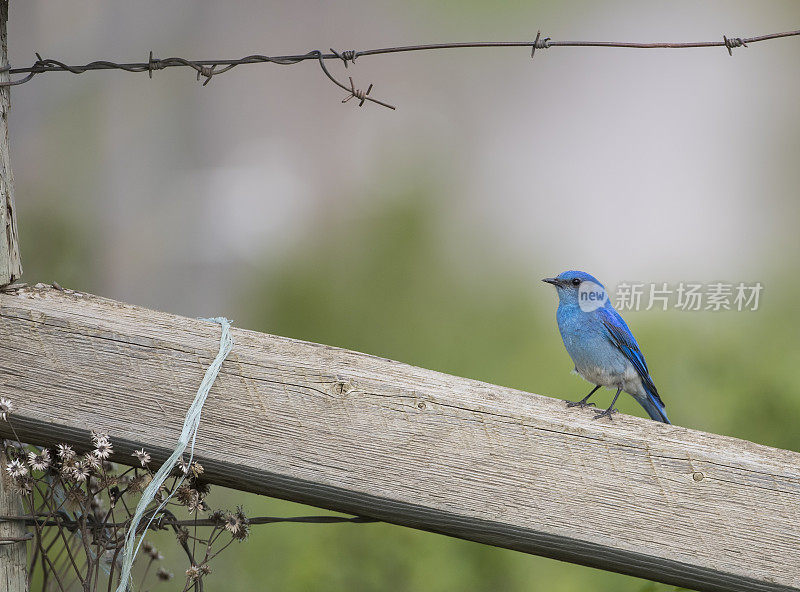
342 386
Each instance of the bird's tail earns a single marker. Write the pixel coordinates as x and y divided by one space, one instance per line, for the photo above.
654 406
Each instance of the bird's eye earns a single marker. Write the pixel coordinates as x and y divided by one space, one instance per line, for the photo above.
576 282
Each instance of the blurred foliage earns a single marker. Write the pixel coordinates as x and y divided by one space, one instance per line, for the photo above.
53 247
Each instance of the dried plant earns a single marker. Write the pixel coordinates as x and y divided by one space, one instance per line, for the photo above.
80 507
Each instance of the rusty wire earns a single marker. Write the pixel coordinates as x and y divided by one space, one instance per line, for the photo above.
207 69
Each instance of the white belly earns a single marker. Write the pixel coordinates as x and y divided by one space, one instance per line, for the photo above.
629 380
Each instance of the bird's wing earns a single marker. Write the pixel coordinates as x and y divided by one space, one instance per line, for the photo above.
623 339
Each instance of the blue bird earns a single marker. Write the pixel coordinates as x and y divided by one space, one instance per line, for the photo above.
600 344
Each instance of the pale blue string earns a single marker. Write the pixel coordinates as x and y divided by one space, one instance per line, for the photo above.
190 426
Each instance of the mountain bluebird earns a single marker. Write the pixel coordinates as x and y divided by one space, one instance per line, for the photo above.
600 344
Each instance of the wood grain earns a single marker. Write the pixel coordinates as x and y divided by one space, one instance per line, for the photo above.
10 264
13 555
370 436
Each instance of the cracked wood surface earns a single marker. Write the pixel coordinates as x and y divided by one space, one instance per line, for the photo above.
13 555
10 265
374 437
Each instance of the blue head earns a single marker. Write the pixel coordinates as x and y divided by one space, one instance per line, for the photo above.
578 288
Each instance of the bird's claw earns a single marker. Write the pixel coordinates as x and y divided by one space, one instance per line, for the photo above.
582 404
607 413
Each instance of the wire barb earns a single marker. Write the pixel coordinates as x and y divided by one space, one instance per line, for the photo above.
539 43
362 96
732 42
207 69
357 93
349 55
154 64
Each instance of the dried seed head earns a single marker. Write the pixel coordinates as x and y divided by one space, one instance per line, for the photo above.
16 469
66 470
103 449
196 572
22 485
143 457
91 462
232 523
80 472
192 469
191 498
237 524
184 494
182 535
164 575
41 461
152 551
108 480
5 408
196 504
65 452
99 438
245 523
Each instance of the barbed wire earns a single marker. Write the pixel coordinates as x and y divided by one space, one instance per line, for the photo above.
165 520
208 69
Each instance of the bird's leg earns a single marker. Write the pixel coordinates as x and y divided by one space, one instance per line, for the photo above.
610 411
582 403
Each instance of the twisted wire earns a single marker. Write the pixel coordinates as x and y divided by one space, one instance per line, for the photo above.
208 69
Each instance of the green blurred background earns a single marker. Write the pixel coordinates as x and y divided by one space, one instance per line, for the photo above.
421 235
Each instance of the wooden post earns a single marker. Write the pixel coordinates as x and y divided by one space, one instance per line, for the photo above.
13 554
378 438
10 264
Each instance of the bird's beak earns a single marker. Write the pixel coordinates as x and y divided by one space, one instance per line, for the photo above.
554 281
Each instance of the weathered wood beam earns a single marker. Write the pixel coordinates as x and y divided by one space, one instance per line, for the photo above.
10 264
13 548
13 553
374 437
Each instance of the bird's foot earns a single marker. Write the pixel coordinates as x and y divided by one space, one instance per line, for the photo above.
582 404
607 413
